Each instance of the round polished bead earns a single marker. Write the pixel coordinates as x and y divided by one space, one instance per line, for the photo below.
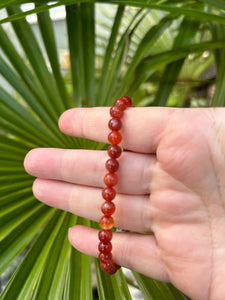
105 236
106 222
112 165
114 137
128 101
105 248
106 266
114 151
116 112
115 124
110 267
121 103
105 257
113 269
108 208
109 193
110 179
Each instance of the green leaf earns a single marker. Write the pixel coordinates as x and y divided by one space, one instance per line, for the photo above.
46 28
87 13
216 3
152 63
218 32
154 290
148 40
81 35
105 289
185 37
176 10
109 55
120 287
86 282
22 235
25 278
55 262
36 59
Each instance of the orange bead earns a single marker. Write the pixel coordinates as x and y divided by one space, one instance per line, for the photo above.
105 236
121 103
110 179
105 248
115 124
114 137
128 101
113 269
106 222
108 208
105 257
112 165
116 112
108 193
114 151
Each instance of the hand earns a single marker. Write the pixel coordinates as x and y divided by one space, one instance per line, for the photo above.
171 183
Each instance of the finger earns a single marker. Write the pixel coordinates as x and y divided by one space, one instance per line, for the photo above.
137 252
141 129
132 212
87 167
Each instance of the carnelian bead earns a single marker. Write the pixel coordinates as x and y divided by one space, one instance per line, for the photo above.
114 151
110 267
108 208
114 137
105 236
115 124
128 101
105 257
112 165
108 193
105 248
106 266
112 270
106 222
121 103
116 112
110 179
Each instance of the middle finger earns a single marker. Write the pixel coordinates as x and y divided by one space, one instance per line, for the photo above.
87 167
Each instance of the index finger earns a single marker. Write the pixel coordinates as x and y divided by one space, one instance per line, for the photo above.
141 126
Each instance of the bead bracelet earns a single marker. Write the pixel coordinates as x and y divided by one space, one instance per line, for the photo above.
110 180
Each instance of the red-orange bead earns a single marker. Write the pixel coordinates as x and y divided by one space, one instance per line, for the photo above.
105 257
106 266
113 269
116 112
114 137
106 222
108 193
105 236
114 151
110 179
110 267
105 248
121 103
108 208
128 101
112 165
115 124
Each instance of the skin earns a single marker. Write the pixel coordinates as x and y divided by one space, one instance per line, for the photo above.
171 183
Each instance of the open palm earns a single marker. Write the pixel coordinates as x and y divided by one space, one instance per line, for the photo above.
171 184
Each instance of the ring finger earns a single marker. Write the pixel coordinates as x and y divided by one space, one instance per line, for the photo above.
132 211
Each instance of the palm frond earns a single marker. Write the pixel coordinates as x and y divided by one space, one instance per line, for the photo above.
114 48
